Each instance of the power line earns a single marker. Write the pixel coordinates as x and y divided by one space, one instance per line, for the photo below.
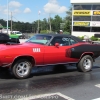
15 18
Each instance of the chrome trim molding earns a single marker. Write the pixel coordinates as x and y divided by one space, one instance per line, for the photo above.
57 64
6 65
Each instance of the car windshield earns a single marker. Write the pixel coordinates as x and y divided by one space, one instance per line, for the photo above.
18 33
39 39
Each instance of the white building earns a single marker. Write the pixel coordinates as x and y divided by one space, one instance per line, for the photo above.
85 17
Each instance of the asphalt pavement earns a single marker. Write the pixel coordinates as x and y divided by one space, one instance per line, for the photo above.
46 83
50 83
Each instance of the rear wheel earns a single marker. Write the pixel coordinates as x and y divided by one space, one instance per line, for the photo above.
22 69
85 64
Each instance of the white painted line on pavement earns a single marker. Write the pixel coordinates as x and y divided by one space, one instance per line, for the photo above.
47 96
64 96
98 85
96 99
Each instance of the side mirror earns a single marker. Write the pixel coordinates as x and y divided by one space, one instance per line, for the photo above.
57 44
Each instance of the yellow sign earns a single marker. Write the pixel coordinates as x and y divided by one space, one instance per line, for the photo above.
81 24
96 12
81 12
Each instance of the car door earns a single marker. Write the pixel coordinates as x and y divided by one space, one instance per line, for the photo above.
55 55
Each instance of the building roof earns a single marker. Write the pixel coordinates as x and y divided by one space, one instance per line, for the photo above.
84 1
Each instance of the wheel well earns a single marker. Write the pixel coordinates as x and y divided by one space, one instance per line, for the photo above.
90 54
30 58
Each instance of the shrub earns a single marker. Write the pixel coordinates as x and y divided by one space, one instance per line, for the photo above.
98 39
82 37
45 32
94 38
66 33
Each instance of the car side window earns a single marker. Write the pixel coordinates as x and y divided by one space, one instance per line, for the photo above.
63 41
72 41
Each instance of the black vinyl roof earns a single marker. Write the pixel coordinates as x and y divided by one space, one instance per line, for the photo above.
64 35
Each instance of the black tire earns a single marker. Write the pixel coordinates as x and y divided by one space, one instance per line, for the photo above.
88 66
16 67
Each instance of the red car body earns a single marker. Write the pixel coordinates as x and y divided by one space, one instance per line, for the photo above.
47 55
40 54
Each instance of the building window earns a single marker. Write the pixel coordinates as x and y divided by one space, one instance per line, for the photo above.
81 18
95 18
82 7
96 7
81 29
86 29
95 29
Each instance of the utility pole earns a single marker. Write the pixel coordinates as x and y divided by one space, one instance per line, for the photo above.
38 23
7 15
39 20
50 22
11 22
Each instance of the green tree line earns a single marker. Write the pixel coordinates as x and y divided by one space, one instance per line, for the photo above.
56 23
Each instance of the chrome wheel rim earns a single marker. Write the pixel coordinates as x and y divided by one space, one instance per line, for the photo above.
87 64
22 69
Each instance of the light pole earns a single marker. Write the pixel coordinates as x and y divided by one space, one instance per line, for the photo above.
38 20
7 16
11 22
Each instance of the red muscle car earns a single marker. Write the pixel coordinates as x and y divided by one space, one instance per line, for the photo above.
47 49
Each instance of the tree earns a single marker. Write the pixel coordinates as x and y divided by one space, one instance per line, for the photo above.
69 14
44 24
56 23
3 22
68 20
68 26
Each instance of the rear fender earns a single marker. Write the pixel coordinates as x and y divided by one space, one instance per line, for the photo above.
87 53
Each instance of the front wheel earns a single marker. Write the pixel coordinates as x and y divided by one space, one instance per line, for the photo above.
85 64
22 69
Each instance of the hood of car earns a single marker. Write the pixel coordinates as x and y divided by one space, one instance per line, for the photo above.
22 45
